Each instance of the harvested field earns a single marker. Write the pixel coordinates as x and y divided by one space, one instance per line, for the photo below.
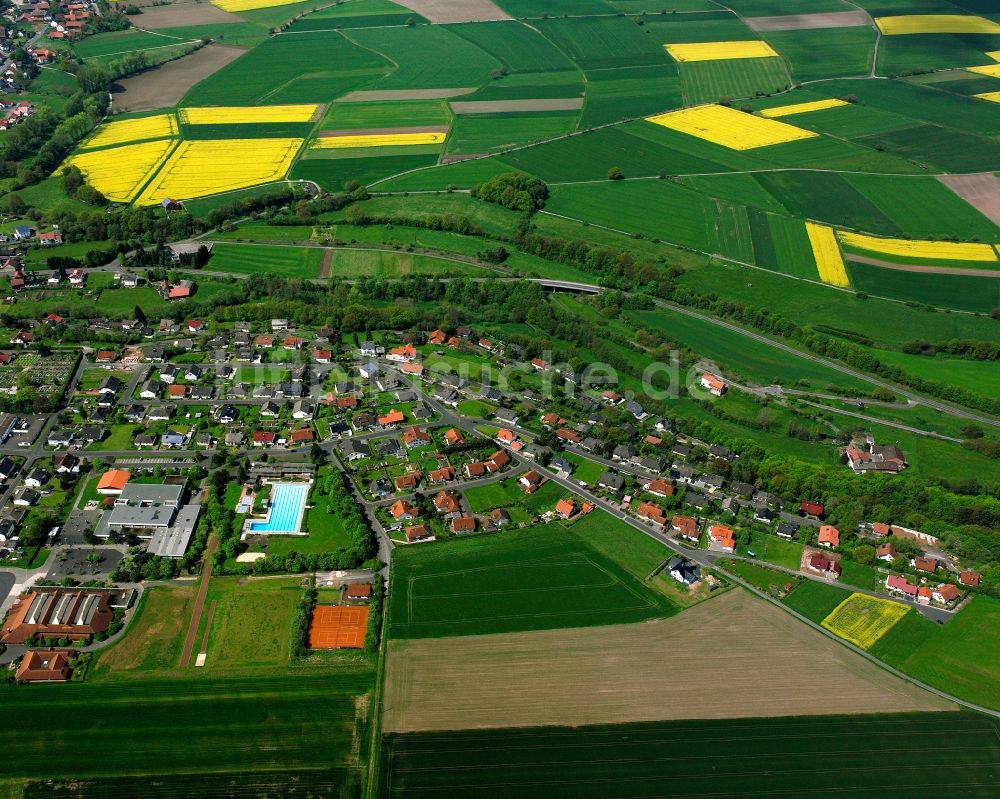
164 86
732 657
391 95
513 106
444 11
181 15
981 191
338 627
927 269
802 22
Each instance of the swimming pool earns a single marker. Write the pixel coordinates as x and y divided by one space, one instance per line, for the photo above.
287 503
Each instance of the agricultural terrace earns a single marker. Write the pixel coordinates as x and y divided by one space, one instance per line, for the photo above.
922 250
730 128
199 168
718 51
910 24
160 126
863 619
119 173
242 115
827 254
801 108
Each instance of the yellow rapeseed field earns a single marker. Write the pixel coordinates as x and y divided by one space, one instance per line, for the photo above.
924 250
829 261
719 51
241 114
198 168
993 97
994 54
119 172
863 619
378 140
127 130
991 70
935 23
729 127
236 6
801 108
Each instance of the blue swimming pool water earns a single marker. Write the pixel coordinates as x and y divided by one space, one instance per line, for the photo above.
287 501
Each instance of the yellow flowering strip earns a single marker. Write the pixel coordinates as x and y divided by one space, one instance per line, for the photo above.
993 97
800 108
729 127
935 23
991 70
119 172
199 168
160 126
994 54
719 51
863 619
829 261
244 115
377 140
924 250
236 6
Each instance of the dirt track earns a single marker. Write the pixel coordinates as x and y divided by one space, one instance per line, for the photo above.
164 86
981 191
801 22
199 602
442 11
730 657
511 106
930 269
377 95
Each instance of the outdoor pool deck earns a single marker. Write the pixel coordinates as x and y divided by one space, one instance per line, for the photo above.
285 511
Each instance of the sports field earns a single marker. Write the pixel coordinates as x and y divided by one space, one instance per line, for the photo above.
863 619
338 627
763 758
535 579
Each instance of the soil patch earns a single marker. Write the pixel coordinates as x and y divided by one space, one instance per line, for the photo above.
179 15
164 86
444 11
326 264
512 106
389 95
928 269
981 191
802 22
732 657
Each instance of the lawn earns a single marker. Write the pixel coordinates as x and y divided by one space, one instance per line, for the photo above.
815 600
541 578
961 657
764 758
252 621
326 534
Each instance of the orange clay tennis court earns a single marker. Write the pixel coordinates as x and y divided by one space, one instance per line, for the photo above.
338 627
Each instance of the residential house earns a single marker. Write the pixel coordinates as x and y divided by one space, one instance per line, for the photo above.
829 536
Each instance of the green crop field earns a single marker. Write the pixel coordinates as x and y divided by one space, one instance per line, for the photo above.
547 577
483 133
763 758
345 116
963 292
816 600
603 42
250 259
519 47
731 79
825 52
628 92
300 68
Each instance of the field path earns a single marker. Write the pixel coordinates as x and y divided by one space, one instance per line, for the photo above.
199 602
929 269
326 264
